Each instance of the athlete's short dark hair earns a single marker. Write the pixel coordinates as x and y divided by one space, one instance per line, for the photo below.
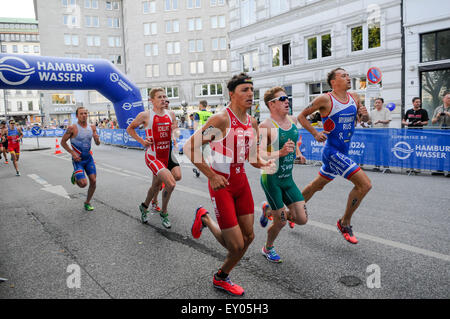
332 75
380 98
415 98
79 108
237 79
445 93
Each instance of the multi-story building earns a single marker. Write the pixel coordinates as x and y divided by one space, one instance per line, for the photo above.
180 45
295 43
90 29
427 52
20 36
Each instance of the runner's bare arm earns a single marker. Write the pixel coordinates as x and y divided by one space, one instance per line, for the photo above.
259 162
214 129
141 118
267 132
362 111
67 135
95 135
321 104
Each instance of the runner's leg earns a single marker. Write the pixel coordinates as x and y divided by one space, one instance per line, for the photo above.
316 185
362 187
92 187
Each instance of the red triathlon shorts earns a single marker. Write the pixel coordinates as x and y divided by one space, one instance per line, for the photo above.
232 201
156 165
14 148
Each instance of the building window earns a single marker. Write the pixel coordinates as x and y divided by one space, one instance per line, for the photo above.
173 47
174 68
214 89
435 46
150 28
4 50
250 61
115 59
278 6
30 105
114 41
195 46
172 92
152 70
149 6
195 24
71 39
93 40
151 49
19 106
218 22
196 67
220 66
113 22
248 12
281 54
315 89
172 26
213 3
319 47
433 84
36 49
191 4
170 5
91 22
112 5
365 37
218 44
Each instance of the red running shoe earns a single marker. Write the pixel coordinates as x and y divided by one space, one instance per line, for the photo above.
228 286
198 226
347 232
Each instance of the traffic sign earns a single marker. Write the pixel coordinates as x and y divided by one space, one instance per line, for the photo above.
374 75
36 130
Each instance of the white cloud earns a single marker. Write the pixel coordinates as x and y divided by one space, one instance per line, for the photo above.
17 9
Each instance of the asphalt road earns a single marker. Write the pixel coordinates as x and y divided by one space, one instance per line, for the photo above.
403 226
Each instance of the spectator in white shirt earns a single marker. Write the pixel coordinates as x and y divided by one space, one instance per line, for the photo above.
380 117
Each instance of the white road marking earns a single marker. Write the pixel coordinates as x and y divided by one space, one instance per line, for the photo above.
57 189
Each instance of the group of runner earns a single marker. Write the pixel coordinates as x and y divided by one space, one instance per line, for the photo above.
10 137
235 137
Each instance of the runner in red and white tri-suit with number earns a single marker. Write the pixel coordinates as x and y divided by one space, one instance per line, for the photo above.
158 124
232 135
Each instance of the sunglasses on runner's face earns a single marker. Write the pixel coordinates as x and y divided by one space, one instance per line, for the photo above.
280 98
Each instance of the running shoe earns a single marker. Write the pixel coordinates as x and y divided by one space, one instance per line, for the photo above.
144 212
291 224
72 179
227 285
196 172
265 216
17 173
165 220
271 255
155 208
347 232
197 225
88 207
6 162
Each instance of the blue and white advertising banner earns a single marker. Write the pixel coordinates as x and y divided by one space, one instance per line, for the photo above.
33 72
407 148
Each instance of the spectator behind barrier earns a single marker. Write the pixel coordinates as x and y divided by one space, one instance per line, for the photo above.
442 113
380 116
416 117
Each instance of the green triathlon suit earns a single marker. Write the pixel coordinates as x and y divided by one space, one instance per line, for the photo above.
280 188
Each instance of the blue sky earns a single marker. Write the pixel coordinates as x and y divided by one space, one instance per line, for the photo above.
16 9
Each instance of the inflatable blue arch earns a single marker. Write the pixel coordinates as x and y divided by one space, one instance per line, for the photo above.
32 72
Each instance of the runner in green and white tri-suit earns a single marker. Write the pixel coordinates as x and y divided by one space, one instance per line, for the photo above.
279 135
